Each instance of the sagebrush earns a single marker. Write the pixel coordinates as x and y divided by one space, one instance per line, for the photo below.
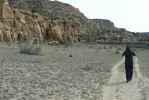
29 48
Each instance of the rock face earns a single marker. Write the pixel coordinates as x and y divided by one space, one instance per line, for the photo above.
104 24
5 10
6 15
54 20
64 30
35 26
29 25
56 10
29 4
14 22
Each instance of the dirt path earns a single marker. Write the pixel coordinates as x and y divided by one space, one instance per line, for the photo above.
118 89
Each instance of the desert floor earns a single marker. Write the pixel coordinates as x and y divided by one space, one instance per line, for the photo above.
137 89
78 72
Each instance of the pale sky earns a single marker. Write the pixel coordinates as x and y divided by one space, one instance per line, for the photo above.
130 14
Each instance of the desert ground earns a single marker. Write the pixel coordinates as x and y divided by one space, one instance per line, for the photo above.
78 72
143 56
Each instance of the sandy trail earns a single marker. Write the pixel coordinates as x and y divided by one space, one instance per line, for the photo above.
118 89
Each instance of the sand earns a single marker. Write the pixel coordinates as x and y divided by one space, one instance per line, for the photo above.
118 89
55 75
78 72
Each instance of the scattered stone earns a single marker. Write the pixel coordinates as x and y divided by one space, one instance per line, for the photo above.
70 55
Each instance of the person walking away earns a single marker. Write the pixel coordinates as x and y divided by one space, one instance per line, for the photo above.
128 63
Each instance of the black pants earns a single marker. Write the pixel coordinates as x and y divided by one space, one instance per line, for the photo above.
129 71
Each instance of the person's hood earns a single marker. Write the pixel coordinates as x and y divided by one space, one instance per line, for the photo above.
127 48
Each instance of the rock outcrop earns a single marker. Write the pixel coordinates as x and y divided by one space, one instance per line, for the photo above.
6 17
64 30
104 24
56 10
54 20
5 10
33 26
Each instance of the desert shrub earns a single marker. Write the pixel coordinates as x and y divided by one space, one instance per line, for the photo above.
90 46
104 47
98 48
29 48
118 48
86 68
110 47
67 45
117 52
70 55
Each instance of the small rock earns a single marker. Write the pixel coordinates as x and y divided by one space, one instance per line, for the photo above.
70 55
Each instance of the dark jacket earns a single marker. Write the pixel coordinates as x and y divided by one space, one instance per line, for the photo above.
128 55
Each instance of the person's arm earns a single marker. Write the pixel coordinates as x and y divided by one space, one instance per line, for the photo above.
124 53
133 53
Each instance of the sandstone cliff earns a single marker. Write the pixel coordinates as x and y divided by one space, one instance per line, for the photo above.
63 30
54 20
32 26
56 10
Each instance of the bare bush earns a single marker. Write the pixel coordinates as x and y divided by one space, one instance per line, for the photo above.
117 52
110 47
27 47
104 47
70 55
99 47
86 68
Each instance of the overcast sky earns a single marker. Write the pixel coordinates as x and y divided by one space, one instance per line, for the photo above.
130 14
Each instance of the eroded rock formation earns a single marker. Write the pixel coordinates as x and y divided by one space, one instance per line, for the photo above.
64 30
33 26
54 20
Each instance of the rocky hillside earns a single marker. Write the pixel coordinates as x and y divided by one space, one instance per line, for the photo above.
16 24
62 11
50 9
54 20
